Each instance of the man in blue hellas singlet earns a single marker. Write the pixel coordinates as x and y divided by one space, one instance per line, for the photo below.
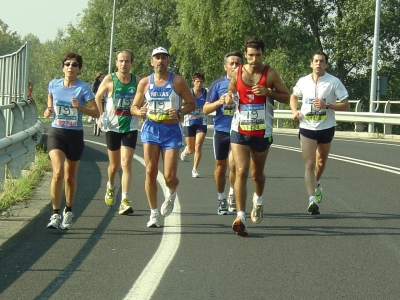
165 93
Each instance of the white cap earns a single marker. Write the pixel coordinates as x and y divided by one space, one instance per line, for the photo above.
159 50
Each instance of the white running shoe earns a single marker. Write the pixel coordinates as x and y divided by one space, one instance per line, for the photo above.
184 154
222 208
231 203
154 220
55 222
125 208
168 206
239 226
195 174
313 208
67 219
257 213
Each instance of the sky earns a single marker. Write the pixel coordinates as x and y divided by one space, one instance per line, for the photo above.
42 18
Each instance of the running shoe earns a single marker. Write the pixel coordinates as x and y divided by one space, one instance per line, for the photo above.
55 222
313 208
184 154
167 207
231 203
222 208
239 226
125 208
67 219
257 213
195 174
154 220
318 193
109 198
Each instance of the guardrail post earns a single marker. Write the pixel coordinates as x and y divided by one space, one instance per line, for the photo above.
4 158
16 165
279 122
17 120
28 123
358 127
387 128
3 131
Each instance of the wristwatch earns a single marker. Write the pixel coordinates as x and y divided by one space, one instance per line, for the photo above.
180 115
327 105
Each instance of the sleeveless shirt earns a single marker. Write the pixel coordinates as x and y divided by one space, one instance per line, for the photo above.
254 114
118 106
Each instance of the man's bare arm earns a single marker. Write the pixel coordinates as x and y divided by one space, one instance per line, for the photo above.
137 109
182 88
279 92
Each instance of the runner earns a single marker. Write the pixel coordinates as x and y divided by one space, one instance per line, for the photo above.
122 127
222 126
254 87
67 100
320 91
195 125
165 93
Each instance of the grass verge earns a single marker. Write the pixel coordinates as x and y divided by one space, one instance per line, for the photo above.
21 189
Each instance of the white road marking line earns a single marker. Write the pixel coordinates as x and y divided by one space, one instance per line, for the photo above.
355 161
146 284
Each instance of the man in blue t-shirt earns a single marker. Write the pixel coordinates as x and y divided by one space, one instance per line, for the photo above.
215 102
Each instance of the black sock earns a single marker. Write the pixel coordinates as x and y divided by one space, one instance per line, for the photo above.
68 208
56 211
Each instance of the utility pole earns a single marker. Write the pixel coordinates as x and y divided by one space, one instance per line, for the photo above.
374 63
110 58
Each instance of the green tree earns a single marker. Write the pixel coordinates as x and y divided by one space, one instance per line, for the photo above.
10 41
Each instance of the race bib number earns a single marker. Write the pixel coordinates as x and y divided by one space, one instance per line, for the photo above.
197 114
123 103
65 114
228 109
158 109
316 114
252 117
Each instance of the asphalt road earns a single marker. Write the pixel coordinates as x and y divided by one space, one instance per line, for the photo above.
350 251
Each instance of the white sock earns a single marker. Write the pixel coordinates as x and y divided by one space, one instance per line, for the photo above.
241 214
110 186
318 183
124 196
257 199
221 196
312 198
154 211
168 194
231 191
194 169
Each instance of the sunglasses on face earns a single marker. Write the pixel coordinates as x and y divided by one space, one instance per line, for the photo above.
74 64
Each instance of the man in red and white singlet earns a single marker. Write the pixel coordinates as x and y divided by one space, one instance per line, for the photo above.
256 86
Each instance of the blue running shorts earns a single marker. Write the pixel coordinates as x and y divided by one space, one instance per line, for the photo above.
167 136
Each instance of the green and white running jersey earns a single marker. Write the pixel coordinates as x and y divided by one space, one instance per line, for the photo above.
119 104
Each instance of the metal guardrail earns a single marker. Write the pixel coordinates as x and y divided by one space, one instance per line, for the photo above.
357 117
19 124
17 148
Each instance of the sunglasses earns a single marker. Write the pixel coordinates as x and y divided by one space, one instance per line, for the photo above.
74 64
